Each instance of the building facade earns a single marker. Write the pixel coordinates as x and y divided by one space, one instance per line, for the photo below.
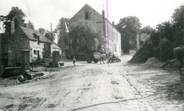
109 36
55 48
27 46
1 65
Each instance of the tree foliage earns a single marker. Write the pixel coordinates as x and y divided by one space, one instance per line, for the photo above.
50 35
16 15
128 27
63 28
147 30
178 16
30 25
81 41
167 36
42 31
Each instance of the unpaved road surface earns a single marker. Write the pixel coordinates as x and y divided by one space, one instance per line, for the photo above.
97 87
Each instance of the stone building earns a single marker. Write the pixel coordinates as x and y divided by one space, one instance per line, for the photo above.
26 46
55 48
111 38
1 66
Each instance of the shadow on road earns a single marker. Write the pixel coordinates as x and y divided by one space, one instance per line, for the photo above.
175 91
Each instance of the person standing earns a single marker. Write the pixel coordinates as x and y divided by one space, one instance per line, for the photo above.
74 60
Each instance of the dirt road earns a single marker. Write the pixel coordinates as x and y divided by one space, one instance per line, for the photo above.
97 87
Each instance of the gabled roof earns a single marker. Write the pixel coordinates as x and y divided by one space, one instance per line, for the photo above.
86 6
30 35
54 45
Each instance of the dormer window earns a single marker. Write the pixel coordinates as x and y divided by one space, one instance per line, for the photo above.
87 15
37 37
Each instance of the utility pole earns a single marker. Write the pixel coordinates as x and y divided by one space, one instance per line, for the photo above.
50 27
138 40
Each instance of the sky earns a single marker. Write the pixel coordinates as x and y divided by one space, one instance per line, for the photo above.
44 12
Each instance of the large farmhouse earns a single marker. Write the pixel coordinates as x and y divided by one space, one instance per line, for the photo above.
108 33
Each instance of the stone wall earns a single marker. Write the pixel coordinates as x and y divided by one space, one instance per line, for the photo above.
4 49
47 50
1 66
109 36
35 49
56 48
17 43
113 39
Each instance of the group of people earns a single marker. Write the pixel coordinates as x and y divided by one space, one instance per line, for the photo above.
109 57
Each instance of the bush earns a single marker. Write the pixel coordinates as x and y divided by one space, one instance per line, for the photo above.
145 52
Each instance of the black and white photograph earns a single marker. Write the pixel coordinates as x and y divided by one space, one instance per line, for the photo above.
91 55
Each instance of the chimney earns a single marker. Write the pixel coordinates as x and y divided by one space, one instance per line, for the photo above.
104 24
12 27
103 14
51 27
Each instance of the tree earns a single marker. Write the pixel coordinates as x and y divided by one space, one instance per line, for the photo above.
63 28
144 34
82 41
178 25
42 31
50 35
178 16
165 49
16 15
128 27
164 39
30 25
63 25
147 30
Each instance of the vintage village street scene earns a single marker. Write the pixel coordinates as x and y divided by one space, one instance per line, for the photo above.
91 55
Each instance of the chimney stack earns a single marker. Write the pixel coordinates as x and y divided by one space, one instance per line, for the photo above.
51 27
103 14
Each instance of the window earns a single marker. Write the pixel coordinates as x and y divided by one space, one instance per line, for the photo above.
87 15
37 37
35 52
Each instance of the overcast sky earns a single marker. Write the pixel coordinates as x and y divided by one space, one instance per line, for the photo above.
43 12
